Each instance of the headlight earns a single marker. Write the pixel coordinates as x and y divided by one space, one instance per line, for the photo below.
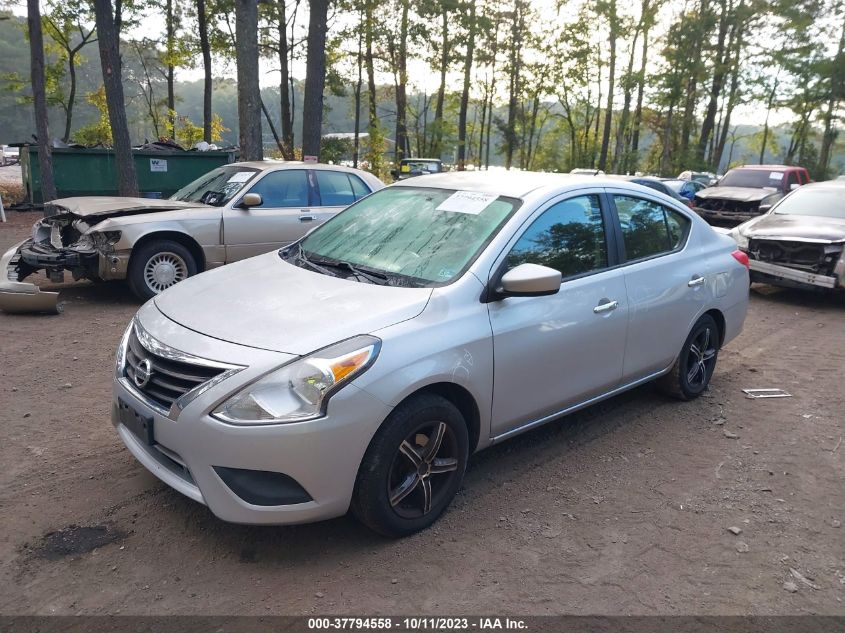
120 356
300 390
740 239
104 240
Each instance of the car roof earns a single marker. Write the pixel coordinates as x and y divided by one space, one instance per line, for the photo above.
513 184
272 164
768 167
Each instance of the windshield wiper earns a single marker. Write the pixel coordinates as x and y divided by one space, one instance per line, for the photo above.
372 276
321 265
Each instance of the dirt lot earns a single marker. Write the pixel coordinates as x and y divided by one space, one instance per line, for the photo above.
621 509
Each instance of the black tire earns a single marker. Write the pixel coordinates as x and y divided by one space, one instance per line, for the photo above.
691 373
139 273
390 492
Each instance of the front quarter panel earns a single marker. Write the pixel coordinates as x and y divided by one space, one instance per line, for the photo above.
449 342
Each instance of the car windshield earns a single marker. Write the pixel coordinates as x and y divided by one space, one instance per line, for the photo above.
417 236
826 203
216 187
753 178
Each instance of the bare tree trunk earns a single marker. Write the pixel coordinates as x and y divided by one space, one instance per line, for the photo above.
71 98
36 51
622 128
638 111
108 38
836 93
315 79
462 116
769 105
205 48
271 126
170 27
400 60
249 93
611 80
284 83
356 142
514 82
437 138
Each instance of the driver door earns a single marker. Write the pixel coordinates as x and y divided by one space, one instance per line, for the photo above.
282 217
557 351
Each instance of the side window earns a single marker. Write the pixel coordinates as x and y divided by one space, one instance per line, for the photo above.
792 179
335 189
649 228
358 187
568 237
286 188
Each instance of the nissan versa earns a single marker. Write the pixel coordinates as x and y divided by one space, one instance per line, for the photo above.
360 366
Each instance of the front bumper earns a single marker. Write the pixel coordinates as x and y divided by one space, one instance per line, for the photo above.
322 456
18 297
772 273
725 216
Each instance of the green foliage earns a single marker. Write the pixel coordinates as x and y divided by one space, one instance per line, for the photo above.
334 150
98 133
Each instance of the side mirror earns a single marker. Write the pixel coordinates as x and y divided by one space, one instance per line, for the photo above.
531 280
794 186
251 200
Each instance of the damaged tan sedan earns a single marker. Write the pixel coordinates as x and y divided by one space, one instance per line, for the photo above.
230 213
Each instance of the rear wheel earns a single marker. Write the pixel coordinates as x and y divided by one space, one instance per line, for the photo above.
691 373
158 265
412 468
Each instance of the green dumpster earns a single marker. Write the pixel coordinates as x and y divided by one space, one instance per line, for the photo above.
92 172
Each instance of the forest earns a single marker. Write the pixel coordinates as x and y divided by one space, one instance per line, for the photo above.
654 86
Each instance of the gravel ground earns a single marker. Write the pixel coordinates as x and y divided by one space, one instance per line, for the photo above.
639 505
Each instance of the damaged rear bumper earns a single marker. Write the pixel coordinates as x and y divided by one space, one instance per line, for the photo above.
18 297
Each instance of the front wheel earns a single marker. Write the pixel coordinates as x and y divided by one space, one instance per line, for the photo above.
158 265
691 373
413 467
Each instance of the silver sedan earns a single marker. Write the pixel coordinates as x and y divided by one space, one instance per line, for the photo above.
362 365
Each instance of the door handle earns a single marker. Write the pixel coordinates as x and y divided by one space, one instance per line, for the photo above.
697 280
607 306
306 218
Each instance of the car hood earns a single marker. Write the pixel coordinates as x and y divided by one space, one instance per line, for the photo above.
738 194
105 206
265 302
782 226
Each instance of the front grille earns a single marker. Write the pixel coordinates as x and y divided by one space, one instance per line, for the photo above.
166 378
727 206
807 256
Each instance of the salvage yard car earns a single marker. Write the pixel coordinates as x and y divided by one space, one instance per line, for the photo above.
749 191
800 242
232 212
362 365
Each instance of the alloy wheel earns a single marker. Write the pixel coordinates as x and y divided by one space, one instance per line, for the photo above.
422 470
701 359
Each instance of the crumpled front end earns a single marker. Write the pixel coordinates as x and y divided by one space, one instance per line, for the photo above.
795 263
63 243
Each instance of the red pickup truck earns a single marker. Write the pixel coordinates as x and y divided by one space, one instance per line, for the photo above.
748 191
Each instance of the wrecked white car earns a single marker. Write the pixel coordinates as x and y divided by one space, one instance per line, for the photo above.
801 241
230 213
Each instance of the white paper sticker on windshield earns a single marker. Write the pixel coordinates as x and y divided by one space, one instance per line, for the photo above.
467 202
776 175
241 176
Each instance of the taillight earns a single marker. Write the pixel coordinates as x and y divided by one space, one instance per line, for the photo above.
742 258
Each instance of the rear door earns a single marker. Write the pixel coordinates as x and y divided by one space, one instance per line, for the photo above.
666 283
335 190
556 351
287 197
